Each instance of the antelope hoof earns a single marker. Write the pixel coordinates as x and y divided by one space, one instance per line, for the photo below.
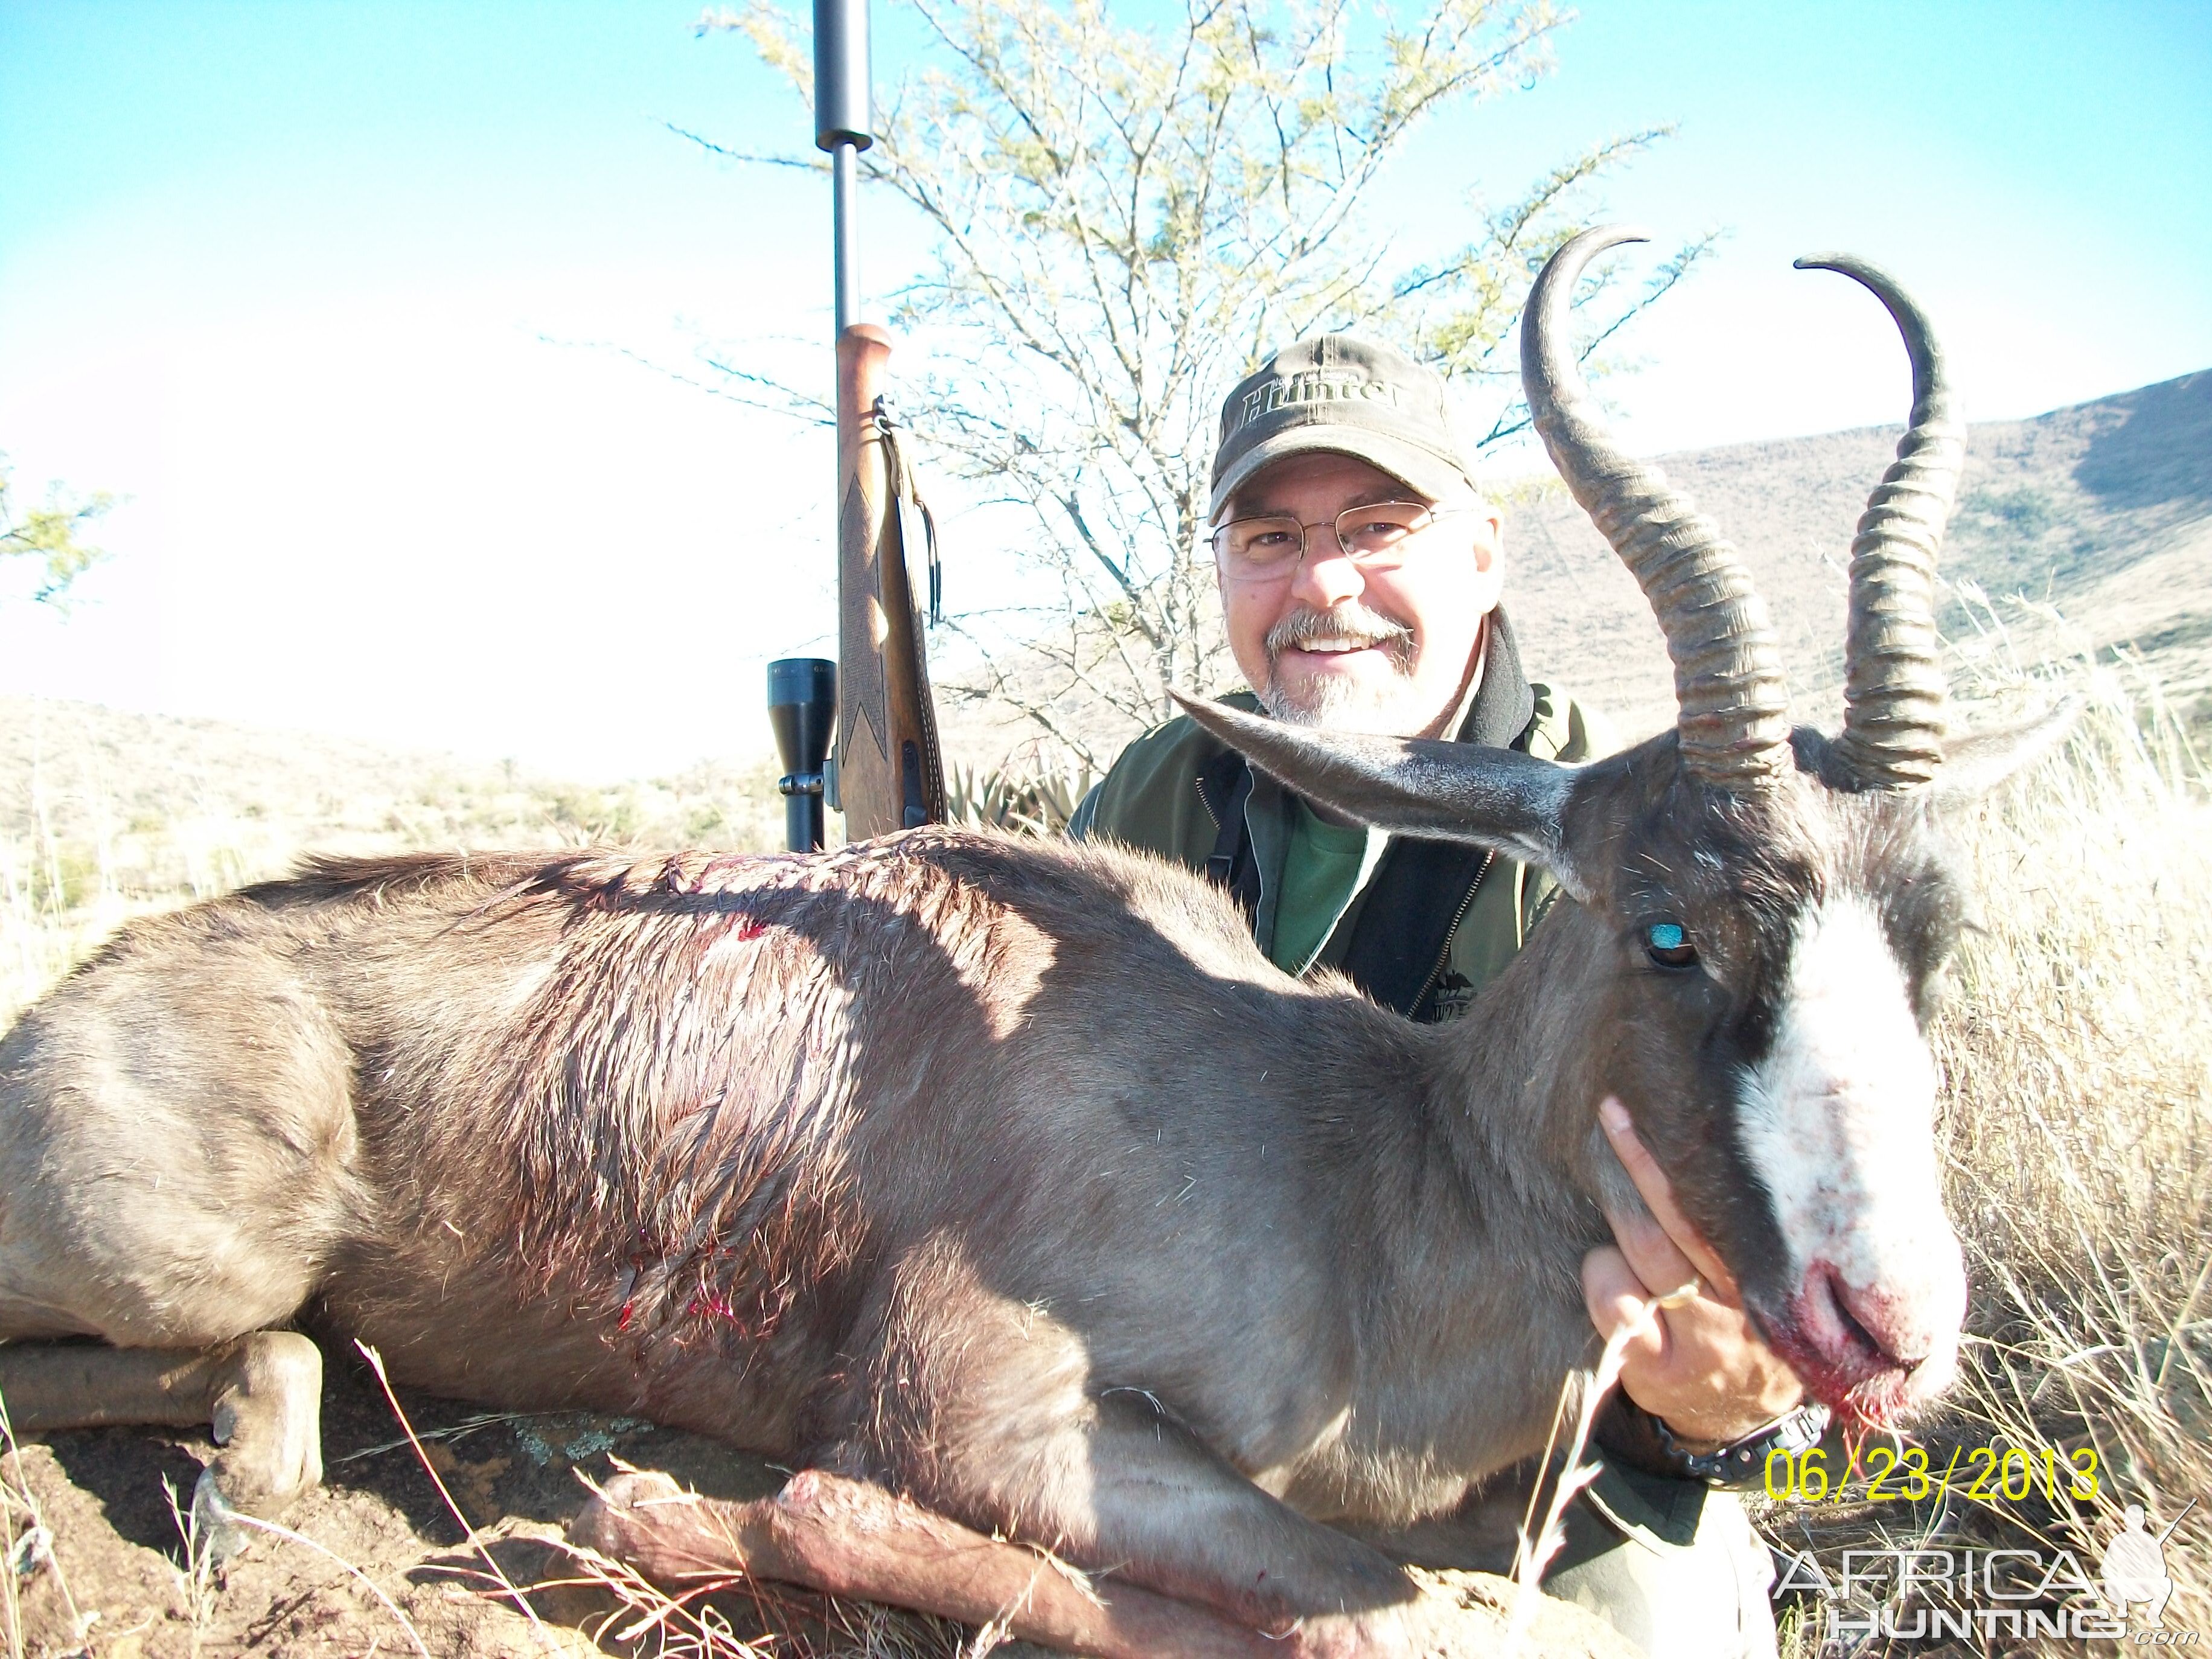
612 1521
217 1534
267 1409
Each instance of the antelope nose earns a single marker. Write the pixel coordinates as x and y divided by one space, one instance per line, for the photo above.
1873 1341
1891 1324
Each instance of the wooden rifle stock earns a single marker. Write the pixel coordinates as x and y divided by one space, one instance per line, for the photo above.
890 774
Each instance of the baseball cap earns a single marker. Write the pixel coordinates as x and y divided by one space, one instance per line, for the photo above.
1347 396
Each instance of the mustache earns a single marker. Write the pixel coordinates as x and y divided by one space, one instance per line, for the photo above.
1350 620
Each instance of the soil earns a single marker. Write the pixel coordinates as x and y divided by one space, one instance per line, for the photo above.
116 1582
374 1562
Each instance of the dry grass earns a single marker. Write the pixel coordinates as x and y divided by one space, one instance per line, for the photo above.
106 815
27 1551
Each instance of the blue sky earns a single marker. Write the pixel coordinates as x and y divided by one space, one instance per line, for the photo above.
339 296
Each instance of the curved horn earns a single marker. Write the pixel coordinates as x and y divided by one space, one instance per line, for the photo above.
1893 721
1733 710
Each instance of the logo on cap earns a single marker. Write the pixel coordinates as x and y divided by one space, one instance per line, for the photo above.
1310 385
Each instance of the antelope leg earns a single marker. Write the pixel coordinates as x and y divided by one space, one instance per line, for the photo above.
260 1394
849 1538
49 1386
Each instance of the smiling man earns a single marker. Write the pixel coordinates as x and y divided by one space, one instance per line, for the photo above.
1360 569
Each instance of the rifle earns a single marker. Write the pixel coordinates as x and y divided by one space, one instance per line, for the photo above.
888 772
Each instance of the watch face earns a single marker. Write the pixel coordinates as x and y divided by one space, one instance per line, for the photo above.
1744 1462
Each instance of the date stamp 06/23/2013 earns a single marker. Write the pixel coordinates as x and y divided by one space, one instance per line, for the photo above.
1908 1474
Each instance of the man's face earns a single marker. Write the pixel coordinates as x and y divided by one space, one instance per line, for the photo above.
1330 643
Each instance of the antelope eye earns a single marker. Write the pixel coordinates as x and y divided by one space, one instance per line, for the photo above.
1668 944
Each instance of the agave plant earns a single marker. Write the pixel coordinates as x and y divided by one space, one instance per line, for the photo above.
1019 803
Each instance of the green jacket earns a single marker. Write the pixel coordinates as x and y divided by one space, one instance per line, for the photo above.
1460 914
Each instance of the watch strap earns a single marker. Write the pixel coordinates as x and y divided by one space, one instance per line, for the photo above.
1644 1441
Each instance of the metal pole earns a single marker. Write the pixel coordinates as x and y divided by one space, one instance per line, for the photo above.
844 183
843 117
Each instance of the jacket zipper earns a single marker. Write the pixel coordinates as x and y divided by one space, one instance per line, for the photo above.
1444 958
1451 932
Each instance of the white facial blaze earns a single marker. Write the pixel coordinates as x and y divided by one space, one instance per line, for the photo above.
1838 1121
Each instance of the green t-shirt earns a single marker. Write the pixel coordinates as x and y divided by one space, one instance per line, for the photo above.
1319 872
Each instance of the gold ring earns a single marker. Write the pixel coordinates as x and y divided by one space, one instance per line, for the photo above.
1689 1292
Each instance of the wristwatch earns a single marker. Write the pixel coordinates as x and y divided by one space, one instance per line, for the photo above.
1642 1440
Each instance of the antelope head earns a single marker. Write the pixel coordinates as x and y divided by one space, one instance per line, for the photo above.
1762 914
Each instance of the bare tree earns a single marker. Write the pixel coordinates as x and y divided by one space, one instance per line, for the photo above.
1127 220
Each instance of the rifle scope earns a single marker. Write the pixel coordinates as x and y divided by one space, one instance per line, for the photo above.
802 708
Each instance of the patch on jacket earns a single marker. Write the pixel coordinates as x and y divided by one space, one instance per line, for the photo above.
1454 996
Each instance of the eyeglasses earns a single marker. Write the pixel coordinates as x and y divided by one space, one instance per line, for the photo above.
1378 537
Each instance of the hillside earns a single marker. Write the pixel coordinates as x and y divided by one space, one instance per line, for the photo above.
2102 509
200 804
104 812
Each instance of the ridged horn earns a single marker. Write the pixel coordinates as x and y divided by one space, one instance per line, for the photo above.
1732 707
1893 696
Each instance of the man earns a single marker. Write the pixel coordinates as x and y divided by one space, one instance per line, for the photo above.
1359 570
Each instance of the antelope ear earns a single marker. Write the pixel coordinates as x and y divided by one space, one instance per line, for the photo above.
1496 798
1972 766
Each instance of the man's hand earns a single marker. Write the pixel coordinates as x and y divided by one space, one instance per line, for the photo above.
1700 1366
